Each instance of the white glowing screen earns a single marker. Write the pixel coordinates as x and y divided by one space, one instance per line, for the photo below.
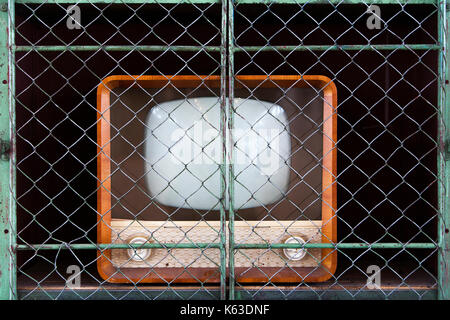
183 152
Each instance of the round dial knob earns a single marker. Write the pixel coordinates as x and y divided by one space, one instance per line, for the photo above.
295 254
138 254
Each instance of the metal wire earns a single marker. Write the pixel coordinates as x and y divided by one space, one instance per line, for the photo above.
379 149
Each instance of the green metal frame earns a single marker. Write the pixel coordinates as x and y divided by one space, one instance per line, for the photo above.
8 246
7 157
444 157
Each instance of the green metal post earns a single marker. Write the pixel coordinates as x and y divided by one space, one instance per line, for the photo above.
231 147
7 214
444 155
223 136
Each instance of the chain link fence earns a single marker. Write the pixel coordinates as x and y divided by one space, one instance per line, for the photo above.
227 150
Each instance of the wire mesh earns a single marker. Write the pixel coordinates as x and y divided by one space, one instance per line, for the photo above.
257 150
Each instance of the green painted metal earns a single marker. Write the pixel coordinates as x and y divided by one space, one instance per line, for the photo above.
444 155
117 48
12 155
337 245
7 214
105 246
222 167
119 1
335 2
235 49
339 47
231 216
237 1
4 162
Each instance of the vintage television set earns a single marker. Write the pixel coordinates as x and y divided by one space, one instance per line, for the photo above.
159 158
